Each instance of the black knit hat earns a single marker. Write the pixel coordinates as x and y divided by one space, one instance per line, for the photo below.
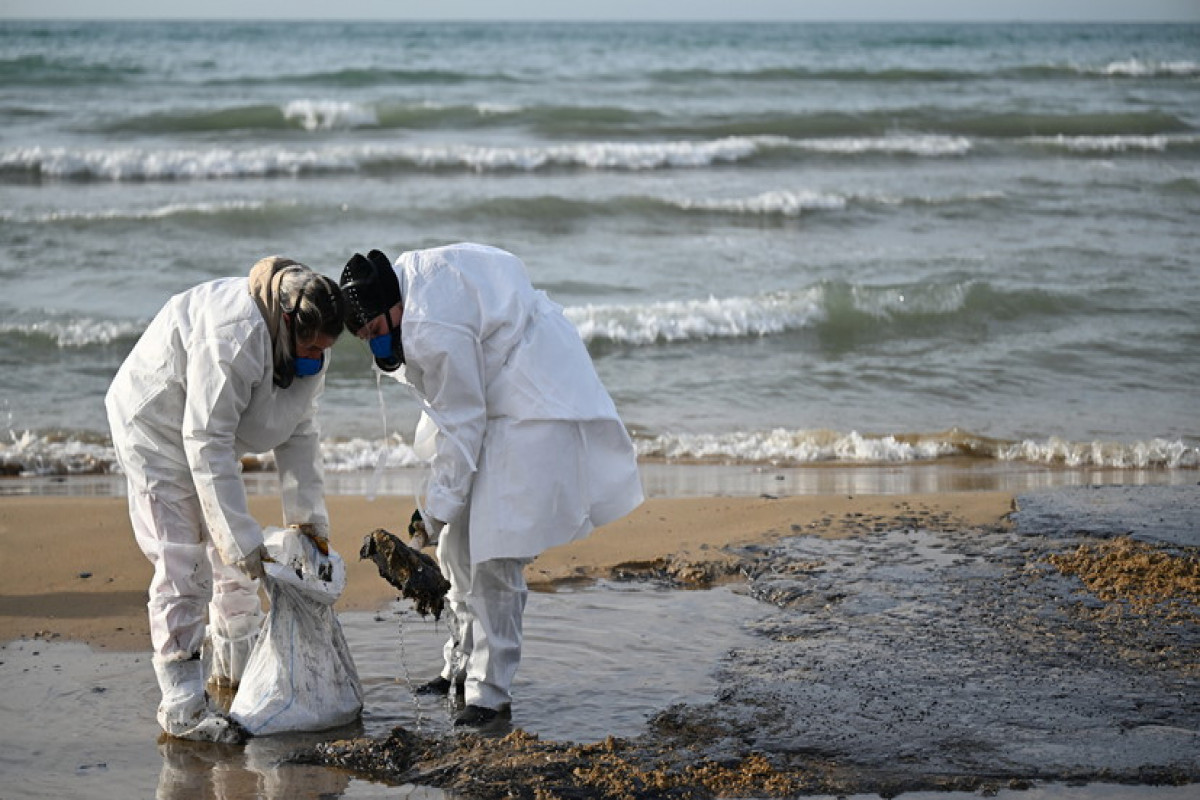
370 288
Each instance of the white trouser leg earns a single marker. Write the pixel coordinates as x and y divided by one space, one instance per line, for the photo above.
171 535
454 558
488 603
496 604
234 620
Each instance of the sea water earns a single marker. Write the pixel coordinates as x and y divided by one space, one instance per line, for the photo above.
782 244
80 723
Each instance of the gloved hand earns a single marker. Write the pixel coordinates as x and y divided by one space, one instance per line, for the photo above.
317 532
424 531
252 564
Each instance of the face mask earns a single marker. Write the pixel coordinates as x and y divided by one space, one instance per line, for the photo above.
381 346
387 348
307 367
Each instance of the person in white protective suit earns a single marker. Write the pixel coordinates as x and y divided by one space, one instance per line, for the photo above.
229 367
529 451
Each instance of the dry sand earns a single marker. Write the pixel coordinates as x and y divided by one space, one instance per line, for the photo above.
70 569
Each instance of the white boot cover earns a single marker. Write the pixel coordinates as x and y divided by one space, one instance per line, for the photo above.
183 712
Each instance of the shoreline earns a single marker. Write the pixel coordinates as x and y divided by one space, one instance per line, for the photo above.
72 570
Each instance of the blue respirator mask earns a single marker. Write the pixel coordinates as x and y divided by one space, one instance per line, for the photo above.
387 348
307 367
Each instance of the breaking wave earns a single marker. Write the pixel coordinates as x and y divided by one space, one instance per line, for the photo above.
30 454
790 447
837 308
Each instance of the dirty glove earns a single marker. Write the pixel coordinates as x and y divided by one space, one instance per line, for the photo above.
317 532
252 564
424 531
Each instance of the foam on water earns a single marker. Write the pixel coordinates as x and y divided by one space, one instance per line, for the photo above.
30 454
329 114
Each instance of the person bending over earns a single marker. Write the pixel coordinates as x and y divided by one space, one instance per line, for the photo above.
229 367
529 451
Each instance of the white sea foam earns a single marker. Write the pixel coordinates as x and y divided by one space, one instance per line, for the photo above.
788 204
1139 455
594 155
1116 143
137 164
696 319
159 212
929 146
494 109
316 115
1138 68
781 446
133 164
33 454
80 332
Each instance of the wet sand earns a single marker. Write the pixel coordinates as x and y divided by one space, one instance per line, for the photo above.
70 569
971 641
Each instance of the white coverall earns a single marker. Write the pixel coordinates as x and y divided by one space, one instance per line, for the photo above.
530 452
194 395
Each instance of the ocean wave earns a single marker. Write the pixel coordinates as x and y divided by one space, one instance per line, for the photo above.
1138 68
68 332
839 310
782 447
776 203
365 77
676 321
329 114
142 164
909 130
931 145
50 72
799 74
1117 144
145 164
1133 67
232 208
30 454
216 163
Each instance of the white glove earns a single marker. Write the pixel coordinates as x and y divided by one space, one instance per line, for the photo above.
252 564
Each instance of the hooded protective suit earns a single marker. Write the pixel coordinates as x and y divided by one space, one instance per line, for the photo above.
530 452
195 394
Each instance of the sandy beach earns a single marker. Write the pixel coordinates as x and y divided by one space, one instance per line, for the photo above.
873 644
71 570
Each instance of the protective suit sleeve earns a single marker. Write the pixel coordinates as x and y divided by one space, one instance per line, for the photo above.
301 478
218 391
452 379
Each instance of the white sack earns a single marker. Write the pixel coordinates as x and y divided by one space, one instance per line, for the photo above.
300 676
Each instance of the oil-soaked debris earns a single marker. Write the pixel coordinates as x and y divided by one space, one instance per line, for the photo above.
679 573
917 654
414 573
1138 577
520 765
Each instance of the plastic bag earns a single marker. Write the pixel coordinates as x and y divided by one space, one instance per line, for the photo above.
300 676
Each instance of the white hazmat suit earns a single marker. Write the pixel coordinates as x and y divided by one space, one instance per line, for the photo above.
530 452
194 395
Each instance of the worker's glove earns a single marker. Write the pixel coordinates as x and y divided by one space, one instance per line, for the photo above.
252 564
317 533
424 531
